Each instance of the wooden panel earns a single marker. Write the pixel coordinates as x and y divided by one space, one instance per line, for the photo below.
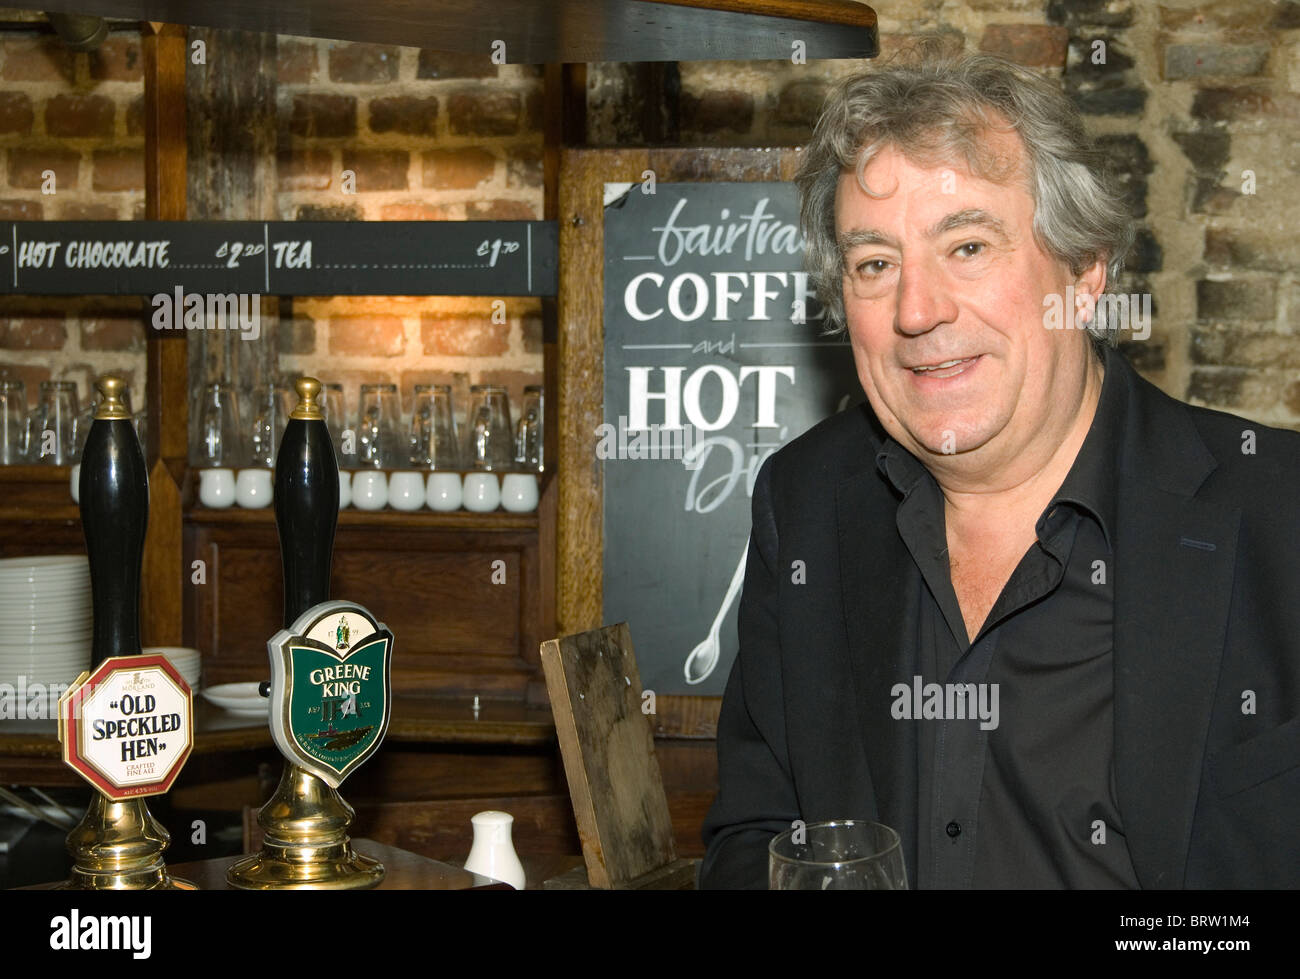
456 630
162 576
609 755
536 33
442 829
403 772
23 535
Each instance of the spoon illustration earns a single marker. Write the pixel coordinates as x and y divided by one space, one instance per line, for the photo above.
704 657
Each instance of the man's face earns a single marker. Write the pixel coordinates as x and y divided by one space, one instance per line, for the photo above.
943 295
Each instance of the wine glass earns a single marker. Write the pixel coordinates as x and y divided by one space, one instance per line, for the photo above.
839 855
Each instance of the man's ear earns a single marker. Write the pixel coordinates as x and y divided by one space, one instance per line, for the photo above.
1089 285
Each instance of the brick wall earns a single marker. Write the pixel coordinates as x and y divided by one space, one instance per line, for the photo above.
81 117
1198 105
428 137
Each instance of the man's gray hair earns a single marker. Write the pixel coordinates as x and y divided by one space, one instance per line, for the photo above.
937 106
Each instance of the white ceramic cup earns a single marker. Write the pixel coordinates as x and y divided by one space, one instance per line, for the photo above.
369 489
217 487
482 492
74 483
253 488
406 491
345 489
445 491
519 492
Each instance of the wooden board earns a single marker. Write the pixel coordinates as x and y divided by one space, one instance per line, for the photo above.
538 32
609 756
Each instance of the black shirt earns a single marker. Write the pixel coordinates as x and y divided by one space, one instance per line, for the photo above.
1016 786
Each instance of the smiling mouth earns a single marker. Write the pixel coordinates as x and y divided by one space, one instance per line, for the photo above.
947 368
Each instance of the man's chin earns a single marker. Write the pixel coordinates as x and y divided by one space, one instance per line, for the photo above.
946 440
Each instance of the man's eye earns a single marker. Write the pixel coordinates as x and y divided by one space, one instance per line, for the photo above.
872 267
978 247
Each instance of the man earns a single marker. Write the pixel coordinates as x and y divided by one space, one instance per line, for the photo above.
1047 625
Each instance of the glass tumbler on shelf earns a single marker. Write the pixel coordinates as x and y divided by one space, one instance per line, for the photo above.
528 437
52 425
491 436
434 442
380 443
13 422
218 441
840 855
271 407
331 406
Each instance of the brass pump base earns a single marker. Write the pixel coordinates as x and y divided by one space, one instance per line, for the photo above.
306 846
118 846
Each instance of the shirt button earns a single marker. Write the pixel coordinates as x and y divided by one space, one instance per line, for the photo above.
954 829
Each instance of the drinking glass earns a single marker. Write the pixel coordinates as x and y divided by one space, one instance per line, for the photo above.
271 408
55 414
218 443
491 434
13 422
528 437
379 440
141 422
434 443
331 406
841 855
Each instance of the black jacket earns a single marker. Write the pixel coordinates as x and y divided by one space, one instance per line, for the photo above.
1206 627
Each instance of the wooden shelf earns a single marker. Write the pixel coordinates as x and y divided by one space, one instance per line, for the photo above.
415 720
68 513
215 730
555 32
350 517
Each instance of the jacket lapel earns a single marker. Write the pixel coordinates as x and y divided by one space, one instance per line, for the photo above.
1174 560
879 592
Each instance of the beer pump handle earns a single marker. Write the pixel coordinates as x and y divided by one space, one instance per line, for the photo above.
306 503
114 491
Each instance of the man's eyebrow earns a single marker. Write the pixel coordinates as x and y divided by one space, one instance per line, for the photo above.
968 217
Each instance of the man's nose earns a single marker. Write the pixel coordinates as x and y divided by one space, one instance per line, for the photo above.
923 298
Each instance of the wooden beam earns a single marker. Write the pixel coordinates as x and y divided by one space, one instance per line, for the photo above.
540 33
163 50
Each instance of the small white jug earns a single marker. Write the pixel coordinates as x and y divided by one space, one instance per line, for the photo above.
493 853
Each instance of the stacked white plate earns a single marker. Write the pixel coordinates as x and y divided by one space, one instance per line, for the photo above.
45 619
185 660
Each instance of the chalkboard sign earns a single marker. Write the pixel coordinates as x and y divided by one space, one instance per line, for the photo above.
284 258
715 356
